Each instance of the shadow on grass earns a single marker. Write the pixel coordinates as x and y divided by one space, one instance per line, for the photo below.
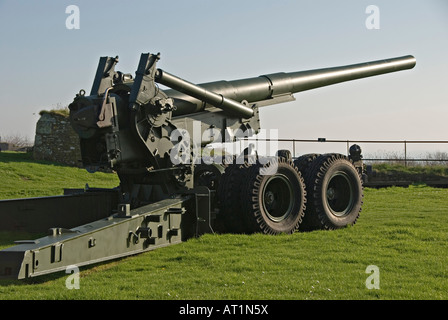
57 276
7 238
32 281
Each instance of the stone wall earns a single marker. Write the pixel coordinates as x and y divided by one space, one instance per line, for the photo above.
6 146
56 140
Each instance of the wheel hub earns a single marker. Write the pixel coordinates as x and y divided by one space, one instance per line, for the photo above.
269 198
278 198
331 194
339 194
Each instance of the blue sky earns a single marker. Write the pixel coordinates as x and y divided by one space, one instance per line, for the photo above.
43 64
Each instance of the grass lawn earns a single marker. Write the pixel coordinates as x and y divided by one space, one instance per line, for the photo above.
23 177
401 231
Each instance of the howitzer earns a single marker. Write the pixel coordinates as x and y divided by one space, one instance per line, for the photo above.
148 135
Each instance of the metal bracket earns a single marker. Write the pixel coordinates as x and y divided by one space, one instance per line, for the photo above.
144 88
104 75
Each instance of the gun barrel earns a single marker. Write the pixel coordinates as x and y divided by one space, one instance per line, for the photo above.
306 80
267 87
215 99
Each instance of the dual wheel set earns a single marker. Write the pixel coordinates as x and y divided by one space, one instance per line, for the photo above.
285 195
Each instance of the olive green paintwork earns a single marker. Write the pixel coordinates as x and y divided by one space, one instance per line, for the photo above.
132 126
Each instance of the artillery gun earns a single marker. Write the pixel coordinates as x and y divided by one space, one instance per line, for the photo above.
151 137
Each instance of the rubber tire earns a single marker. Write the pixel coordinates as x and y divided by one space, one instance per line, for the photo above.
257 185
284 153
230 215
303 162
335 193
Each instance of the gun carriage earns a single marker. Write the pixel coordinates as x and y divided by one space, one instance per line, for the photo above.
152 138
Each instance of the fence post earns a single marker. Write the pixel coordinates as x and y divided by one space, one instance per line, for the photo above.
405 155
293 148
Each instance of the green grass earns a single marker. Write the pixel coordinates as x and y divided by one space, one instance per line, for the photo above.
437 170
402 231
22 177
63 111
